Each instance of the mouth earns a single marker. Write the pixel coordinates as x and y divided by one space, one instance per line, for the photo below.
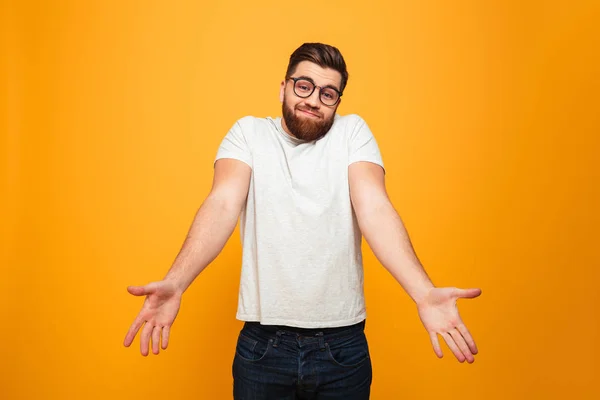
308 113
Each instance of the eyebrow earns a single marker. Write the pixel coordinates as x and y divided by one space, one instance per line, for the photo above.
308 78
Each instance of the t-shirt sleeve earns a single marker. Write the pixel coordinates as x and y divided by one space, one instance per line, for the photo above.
235 145
362 145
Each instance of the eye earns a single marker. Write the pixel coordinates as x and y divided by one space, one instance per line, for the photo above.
304 86
329 94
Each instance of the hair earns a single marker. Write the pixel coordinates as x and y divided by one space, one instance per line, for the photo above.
325 56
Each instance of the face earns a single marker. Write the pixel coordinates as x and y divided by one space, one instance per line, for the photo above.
308 118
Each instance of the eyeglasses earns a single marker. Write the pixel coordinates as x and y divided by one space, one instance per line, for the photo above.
304 88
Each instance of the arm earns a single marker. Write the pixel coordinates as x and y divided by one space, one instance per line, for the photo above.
383 229
213 225
214 222
385 233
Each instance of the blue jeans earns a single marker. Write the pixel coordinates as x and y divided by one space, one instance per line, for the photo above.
279 362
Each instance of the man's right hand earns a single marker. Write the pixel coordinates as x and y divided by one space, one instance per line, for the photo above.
213 224
160 308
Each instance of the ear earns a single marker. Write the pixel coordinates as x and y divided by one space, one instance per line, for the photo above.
281 91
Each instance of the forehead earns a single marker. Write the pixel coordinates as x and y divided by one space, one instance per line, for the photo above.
321 76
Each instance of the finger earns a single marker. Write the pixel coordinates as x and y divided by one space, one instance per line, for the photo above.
165 336
155 339
436 344
450 342
133 330
462 345
468 338
145 338
142 290
468 293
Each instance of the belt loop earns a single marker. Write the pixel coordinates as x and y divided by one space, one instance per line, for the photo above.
277 338
321 341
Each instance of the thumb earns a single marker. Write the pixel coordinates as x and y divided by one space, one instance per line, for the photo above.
142 290
468 293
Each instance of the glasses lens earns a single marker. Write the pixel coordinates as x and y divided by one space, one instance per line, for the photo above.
303 88
329 96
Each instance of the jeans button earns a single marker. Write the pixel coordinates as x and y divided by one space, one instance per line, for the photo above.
300 337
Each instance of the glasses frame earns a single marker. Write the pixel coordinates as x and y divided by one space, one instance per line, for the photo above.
302 78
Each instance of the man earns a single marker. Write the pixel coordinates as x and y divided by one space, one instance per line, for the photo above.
306 188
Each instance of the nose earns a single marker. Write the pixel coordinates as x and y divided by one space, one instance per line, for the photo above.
313 100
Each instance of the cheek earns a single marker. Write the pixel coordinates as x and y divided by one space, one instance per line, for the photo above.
328 113
292 104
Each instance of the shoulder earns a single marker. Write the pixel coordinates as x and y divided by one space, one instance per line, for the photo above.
249 126
257 132
349 126
252 122
349 122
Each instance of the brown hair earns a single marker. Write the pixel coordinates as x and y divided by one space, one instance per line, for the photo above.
325 56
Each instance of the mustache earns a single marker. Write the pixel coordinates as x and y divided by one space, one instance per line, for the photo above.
310 110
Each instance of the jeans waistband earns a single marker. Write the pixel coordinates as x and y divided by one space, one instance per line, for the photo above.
307 332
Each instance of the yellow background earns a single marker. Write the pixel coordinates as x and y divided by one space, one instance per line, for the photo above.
487 114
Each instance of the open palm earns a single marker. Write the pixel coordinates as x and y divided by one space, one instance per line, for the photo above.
157 315
439 314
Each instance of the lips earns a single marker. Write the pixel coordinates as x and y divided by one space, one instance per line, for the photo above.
310 113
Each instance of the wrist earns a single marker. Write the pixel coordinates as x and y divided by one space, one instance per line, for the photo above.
421 294
177 282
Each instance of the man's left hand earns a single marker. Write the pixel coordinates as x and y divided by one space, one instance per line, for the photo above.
439 315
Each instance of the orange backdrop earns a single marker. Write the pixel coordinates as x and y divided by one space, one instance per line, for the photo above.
487 114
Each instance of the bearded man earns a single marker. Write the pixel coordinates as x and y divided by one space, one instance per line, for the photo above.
306 188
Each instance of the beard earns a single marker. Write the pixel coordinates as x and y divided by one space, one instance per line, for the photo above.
307 129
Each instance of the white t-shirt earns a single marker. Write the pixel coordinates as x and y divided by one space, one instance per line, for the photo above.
302 260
